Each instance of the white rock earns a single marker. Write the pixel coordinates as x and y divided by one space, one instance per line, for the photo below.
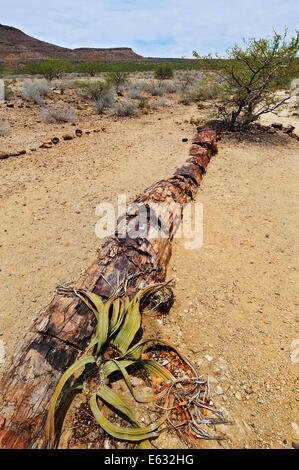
106 444
2 90
296 429
209 358
219 390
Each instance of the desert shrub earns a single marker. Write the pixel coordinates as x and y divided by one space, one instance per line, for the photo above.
4 127
124 109
207 90
251 77
55 113
132 86
162 102
35 91
8 93
135 94
186 98
144 105
147 75
169 88
158 103
105 101
93 90
117 78
143 102
164 72
186 78
62 86
154 89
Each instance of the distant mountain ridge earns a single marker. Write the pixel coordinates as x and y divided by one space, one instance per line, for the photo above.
16 46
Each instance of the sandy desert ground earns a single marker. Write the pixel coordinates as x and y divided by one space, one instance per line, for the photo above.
235 307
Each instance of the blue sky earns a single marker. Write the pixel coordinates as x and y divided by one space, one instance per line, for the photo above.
164 28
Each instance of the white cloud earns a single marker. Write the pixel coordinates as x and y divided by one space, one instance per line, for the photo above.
187 25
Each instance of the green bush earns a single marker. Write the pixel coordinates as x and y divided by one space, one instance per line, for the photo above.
251 76
91 68
164 72
143 102
93 90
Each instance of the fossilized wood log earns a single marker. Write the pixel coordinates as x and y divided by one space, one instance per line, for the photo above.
63 330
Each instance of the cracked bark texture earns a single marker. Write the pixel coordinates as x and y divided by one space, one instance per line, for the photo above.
59 335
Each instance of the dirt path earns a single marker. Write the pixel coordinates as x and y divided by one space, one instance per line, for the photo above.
234 312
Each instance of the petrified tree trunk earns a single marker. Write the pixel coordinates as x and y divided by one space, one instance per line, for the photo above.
57 336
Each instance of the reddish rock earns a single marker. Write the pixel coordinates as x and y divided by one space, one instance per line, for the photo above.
46 145
277 125
67 137
288 129
16 154
78 132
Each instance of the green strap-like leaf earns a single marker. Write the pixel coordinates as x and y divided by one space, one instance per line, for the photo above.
111 397
93 301
50 427
128 434
109 366
157 369
103 325
122 314
133 319
117 306
130 327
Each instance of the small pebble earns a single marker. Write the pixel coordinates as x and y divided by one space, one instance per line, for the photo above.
209 358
